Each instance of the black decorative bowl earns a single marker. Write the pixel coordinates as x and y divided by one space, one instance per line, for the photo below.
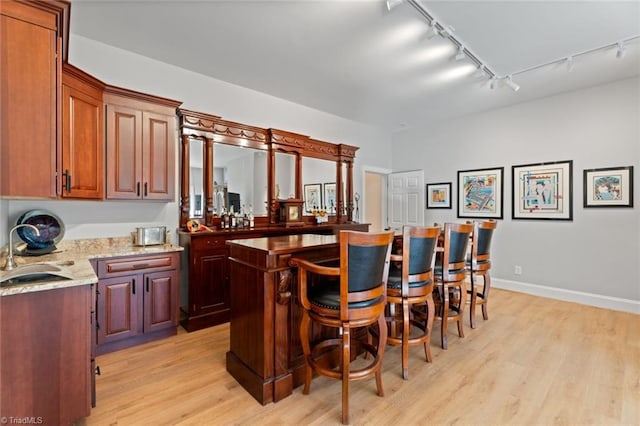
51 231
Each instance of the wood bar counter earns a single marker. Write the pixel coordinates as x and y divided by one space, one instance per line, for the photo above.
265 355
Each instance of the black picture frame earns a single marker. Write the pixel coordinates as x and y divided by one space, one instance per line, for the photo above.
480 193
438 195
608 187
542 191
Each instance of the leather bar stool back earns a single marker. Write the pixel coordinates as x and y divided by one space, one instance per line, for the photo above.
479 266
410 287
450 273
345 298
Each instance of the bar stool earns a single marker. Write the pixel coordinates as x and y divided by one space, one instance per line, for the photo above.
409 286
345 298
450 273
479 265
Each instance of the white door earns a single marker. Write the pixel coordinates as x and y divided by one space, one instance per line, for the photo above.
405 199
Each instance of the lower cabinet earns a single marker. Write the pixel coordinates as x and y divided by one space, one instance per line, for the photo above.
137 300
205 272
45 356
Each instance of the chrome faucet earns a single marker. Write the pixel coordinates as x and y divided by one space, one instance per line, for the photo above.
11 263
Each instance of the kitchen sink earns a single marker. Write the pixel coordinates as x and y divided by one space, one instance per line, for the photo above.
35 272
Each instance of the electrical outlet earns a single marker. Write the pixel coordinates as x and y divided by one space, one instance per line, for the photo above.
517 270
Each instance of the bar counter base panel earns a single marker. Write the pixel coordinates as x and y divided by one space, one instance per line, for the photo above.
265 354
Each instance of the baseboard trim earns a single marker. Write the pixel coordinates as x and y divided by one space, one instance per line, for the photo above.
615 303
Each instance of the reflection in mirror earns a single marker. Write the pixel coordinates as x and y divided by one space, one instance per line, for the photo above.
285 176
239 179
323 172
195 178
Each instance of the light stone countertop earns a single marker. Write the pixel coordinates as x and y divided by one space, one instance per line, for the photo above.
74 256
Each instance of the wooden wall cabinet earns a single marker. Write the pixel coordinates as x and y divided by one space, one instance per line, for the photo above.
82 135
31 54
141 146
45 355
137 300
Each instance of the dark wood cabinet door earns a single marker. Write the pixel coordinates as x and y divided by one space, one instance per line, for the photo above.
209 289
28 100
119 308
158 149
45 356
124 152
82 144
160 300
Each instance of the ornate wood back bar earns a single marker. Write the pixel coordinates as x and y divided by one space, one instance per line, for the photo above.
212 129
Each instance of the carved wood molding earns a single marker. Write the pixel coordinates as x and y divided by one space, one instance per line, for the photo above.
210 126
312 147
196 120
347 151
241 131
288 139
284 287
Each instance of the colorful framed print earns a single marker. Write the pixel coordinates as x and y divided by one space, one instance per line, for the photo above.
312 197
610 187
480 193
543 191
439 195
330 198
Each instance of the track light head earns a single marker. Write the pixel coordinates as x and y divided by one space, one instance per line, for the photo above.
493 83
622 50
480 71
512 84
570 64
393 3
460 54
432 31
445 32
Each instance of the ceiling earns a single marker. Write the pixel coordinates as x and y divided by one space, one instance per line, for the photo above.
358 60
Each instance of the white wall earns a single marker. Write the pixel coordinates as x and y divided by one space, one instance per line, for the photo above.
596 253
197 92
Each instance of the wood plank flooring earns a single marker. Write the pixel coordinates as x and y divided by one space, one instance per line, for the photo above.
536 361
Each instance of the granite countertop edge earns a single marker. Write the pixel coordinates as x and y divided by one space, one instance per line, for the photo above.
76 255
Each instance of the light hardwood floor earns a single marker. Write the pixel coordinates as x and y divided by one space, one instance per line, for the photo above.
536 361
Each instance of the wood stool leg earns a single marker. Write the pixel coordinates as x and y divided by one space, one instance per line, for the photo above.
406 328
485 295
382 343
445 315
431 310
472 305
306 350
463 301
346 365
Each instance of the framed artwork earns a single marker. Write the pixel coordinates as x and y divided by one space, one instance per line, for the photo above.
543 191
330 197
439 195
611 187
480 193
312 197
